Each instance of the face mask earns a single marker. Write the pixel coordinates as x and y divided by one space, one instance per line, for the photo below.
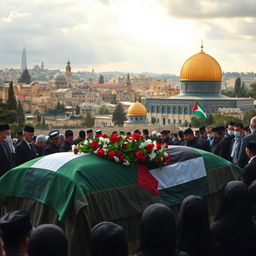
8 138
237 134
230 132
209 136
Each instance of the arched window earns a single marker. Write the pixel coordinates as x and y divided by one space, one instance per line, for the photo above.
174 110
185 110
152 109
163 110
180 110
157 109
169 110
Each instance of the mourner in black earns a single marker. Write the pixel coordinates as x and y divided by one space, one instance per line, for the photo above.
191 140
89 134
249 172
166 137
219 146
158 232
146 133
25 150
16 228
19 138
182 141
68 142
252 192
204 140
48 239
233 227
6 158
40 145
194 234
54 145
242 157
81 137
108 239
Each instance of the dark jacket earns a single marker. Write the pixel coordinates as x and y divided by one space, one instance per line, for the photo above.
39 151
238 141
221 148
249 173
194 143
5 158
24 153
51 149
65 147
205 142
242 157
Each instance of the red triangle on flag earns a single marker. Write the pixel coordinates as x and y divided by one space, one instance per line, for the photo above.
195 107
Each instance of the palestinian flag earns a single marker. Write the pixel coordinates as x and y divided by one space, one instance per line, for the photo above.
199 110
111 191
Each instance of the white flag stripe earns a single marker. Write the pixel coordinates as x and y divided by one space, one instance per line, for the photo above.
55 161
179 173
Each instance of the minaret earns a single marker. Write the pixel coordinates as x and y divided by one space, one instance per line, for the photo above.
24 60
130 92
42 66
69 74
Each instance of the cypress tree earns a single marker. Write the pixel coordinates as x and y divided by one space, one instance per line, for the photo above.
12 103
20 114
119 116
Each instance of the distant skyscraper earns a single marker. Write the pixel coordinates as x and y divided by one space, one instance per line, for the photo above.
24 60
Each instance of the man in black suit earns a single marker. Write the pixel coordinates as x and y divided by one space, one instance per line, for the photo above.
249 172
191 140
25 150
6 162
242 157
219 146
204 140
54 145
66 146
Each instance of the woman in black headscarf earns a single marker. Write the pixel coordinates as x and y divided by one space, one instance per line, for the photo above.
194 234
158 232
233 228
48 240
252 191
108 239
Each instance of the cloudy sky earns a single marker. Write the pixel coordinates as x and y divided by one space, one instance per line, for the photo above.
128 35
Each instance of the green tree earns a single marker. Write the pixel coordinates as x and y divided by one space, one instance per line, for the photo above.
12 103
20 114
119 116
247 117
101 80
153 120
77 110
89 120
25 77
237 86
103 110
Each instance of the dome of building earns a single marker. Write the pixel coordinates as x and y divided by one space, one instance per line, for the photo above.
60 79
201 67
137 109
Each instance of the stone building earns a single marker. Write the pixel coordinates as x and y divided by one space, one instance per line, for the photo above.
200 80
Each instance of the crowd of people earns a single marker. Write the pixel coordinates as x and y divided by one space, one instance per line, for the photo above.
234 142
232 233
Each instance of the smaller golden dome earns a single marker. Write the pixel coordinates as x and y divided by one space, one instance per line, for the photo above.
137 109
201 67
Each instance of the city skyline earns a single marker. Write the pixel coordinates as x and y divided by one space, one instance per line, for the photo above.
137 36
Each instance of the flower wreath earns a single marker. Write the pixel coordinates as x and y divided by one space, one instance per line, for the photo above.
125 150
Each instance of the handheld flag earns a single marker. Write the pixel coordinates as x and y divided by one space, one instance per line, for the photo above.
199 110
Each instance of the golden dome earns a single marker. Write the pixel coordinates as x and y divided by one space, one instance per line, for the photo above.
201 67
137 109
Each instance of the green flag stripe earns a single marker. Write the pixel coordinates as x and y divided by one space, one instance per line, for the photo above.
175 195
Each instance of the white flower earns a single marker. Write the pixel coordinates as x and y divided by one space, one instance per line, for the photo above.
116 159
86 142
142 145
73 147
148 141
165 154
152 156
104 146
126 162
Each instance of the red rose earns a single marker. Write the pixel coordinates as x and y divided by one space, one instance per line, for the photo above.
136 136
149 147
158 146
128 137
167 160
104 135
121 159
124 146
114 138
75 151
140 156
100 152
98 135
94 144
165 145
111 154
